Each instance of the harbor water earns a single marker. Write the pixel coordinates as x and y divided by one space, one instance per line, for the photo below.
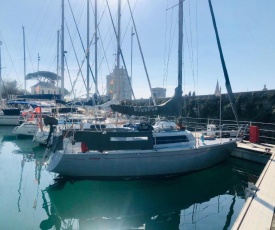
30 198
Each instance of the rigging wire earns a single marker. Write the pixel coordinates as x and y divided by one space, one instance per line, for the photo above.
111 36
172 33
78 20
53 62
40 32
191 43
189 48
3 40
85 51
165 41
197 43
41 26
142 56
41 18
120 51
109 32
101 42
82 44
29 54
69 75
73 36
75 57
15 50
197 72
105 57
128 22
104 51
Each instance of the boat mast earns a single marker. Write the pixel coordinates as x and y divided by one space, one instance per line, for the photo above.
38 60
96 81
25 92
88 49
0 73
118 48
57 60
132 35
178 91
62 53
180 43
118 33
227 82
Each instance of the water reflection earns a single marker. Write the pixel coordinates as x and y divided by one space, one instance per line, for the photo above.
31 153
209 199
183 202
35 157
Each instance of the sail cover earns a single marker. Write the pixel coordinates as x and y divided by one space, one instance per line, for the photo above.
172 107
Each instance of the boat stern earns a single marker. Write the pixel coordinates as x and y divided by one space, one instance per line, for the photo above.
53 161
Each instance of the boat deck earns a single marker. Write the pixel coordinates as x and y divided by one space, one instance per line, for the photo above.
209 140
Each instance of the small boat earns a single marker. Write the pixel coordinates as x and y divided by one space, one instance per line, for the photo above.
10 116
28 128
64 122
13 112
32 118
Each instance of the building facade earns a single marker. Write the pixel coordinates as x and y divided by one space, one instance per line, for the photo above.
45 88
159 92
119 85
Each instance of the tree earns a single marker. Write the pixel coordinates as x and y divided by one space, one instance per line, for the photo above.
11 88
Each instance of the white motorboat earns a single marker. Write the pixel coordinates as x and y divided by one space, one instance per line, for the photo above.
10 117
13 112
28 128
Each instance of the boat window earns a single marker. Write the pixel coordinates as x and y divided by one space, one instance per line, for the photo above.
171 139
129 138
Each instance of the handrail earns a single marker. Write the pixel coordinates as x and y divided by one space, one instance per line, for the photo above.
267 130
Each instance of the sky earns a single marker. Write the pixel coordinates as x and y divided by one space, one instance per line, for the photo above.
246 29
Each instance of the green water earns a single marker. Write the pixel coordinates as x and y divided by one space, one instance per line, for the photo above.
30 198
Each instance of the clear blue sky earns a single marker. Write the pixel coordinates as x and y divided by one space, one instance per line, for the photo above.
246 29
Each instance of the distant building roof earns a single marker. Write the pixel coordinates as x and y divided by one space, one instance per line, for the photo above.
44 84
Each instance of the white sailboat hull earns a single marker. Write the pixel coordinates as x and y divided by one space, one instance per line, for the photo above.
27 129
139 163
9 120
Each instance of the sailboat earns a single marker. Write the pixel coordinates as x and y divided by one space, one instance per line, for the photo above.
140 151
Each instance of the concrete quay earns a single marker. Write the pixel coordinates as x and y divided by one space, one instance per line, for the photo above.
259 153
258 211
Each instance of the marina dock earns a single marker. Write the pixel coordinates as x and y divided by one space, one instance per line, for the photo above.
258 211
